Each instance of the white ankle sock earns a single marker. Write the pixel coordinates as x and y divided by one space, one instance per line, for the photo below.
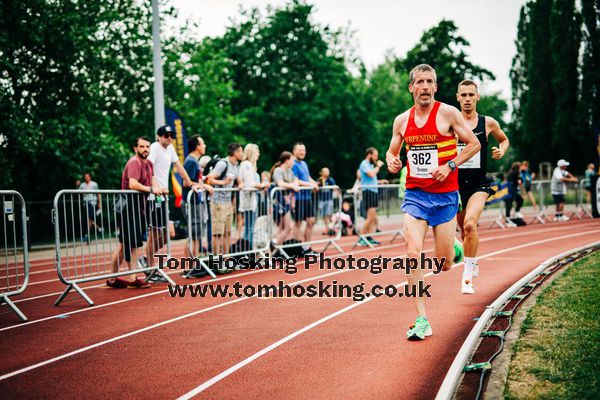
468 270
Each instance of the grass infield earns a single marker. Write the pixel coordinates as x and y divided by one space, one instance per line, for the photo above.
558 353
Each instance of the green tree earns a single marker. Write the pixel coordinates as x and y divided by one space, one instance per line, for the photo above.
518 78
565 40
536 132
589 113
445 50
389 96
197 86
293 84
75 89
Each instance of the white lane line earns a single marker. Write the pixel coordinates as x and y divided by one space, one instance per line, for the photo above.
236 276
201 283
202 311
210 382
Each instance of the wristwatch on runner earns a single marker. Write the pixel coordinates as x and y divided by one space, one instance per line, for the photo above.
452 165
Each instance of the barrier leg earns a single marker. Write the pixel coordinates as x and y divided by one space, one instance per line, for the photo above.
78 290
13 307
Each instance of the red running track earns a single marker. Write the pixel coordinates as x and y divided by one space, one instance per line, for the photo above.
141 343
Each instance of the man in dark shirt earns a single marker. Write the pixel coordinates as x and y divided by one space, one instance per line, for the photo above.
137 175
197 202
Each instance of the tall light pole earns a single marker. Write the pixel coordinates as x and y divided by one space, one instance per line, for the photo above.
159 101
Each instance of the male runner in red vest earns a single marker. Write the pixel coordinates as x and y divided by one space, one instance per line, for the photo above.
474 185
431 197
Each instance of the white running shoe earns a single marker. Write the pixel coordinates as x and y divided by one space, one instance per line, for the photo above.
467 287
475 270
519 215
564 218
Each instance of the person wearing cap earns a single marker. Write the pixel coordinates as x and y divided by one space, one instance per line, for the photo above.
559 188
163 156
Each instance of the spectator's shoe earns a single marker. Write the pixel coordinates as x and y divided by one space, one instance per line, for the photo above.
143 262
117 283
373 241
195 273
362 242
309 252
139 283
467 287
419 330
157 278
563 218
519 215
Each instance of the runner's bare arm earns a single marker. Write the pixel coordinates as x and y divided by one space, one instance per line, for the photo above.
466 135
457 125
392 155
493 127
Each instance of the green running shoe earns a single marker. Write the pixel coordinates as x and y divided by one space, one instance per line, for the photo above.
362 242
419 330
458 251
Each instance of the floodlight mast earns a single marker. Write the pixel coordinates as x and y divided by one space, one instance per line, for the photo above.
159 100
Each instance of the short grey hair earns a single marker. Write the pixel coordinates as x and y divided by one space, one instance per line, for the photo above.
421 68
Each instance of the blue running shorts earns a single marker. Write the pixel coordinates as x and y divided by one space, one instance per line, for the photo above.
435 208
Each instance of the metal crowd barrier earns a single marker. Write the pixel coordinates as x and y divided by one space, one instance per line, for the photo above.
388 201
95 231
292 213
15 248
546 205
231 223
584 209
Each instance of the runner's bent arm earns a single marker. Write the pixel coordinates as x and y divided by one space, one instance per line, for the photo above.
503 142
391 156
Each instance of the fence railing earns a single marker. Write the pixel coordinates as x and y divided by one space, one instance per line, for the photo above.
230 223
305 218
96 231
377 210
14 248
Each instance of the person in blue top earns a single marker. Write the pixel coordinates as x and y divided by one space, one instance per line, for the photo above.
526 178
369 168
198 213
304 209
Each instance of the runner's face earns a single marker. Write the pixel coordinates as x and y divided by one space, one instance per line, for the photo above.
468 97
423 88
142 149
300 152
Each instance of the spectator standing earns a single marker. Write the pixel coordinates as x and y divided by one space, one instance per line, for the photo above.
527 177
304 207
224 175
590 172
283 177
137 175
369 168
249 197
558 188
92 203
326 199
514 184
